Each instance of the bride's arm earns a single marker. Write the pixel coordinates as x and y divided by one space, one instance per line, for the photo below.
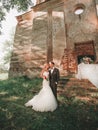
41 74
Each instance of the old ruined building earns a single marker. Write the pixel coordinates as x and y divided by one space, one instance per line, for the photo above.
60 30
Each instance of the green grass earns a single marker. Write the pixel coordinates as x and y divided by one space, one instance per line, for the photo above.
72 113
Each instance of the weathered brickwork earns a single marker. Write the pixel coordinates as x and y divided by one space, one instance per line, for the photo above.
50 28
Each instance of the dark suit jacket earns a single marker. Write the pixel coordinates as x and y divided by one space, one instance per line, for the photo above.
54 78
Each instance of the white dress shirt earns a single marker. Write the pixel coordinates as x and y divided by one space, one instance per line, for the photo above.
52 70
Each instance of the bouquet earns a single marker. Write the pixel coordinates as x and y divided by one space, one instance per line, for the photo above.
87 60
45 78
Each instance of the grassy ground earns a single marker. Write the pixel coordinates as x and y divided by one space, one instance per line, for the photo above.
72 114
3 76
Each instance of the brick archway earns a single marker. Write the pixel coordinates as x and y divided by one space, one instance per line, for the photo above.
83 49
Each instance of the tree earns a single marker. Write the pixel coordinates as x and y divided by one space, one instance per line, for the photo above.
6 5
7 52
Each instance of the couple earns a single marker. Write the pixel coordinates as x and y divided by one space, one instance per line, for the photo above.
46 99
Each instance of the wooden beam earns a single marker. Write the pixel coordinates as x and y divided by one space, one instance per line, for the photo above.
49 37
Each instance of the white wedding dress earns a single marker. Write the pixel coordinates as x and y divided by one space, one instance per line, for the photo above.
45 100
88 71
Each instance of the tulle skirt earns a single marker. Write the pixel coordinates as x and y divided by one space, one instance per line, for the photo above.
45 100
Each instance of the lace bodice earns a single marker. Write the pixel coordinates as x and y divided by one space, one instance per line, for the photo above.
46 73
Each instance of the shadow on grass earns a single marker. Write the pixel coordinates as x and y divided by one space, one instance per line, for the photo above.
72 113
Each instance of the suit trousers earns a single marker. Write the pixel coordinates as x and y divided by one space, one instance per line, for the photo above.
54 89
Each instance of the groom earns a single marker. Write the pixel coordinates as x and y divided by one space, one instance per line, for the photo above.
54 76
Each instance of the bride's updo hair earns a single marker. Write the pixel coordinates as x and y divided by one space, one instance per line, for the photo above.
46 65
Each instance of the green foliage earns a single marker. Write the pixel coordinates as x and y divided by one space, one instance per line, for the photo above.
19 4
8 50
71 114
6 5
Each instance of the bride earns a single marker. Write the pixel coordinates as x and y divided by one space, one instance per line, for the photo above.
45 100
